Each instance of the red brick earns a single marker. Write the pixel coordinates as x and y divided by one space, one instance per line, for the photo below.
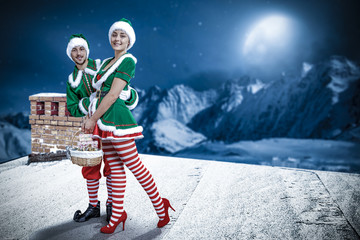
59 99
40 130
60 118
34 149
33 98
75 119
34 117
35 144
46 117
68 123
47 99
61 128
77 124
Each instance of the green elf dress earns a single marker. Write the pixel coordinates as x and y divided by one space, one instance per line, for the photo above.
117 123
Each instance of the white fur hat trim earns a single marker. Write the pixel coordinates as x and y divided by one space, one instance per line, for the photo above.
124 26
77 42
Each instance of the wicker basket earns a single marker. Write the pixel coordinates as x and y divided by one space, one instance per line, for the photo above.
85 158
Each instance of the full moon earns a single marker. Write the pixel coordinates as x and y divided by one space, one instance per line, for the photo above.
268 39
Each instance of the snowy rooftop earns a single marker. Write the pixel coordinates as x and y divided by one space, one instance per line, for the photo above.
49 95
213 200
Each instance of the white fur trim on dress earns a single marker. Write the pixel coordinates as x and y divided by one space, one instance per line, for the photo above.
97 63
127 28
92 106
112 69
119 132
92 96
75 82
132 106
77 42
90 71
125 94
81 107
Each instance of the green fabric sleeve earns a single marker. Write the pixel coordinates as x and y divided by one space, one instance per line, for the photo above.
126 70
72 102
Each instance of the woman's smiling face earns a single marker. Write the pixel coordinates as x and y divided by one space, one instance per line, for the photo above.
119 40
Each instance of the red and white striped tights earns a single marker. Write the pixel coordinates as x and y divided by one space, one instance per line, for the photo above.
118 154
109 190
93 188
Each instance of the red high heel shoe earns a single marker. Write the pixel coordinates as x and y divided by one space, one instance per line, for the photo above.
166 220
107 229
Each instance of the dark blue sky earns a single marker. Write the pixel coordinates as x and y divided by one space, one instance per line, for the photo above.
177 41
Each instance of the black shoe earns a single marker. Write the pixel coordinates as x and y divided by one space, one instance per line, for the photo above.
108 212
91 212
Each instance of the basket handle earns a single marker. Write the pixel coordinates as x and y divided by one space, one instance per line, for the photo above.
72 140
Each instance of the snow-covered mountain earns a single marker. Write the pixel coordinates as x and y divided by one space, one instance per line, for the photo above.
15 136
322 103
164 115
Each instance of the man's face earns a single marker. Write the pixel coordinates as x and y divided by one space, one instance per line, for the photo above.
78 55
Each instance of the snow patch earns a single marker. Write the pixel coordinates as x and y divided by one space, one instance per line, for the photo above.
182 103
342 74
305 69
234 100
49 95
254 88
174 136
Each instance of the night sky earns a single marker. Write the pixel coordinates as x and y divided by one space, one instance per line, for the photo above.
177 41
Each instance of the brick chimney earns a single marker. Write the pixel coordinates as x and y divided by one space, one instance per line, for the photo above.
52 127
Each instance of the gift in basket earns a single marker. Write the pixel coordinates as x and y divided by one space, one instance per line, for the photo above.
87 153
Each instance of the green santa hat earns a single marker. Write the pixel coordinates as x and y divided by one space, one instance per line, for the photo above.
77 40
124 25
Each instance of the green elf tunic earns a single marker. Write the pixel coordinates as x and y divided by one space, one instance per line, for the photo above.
117 123
79 88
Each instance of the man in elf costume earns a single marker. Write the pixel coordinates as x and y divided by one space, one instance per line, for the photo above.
80 92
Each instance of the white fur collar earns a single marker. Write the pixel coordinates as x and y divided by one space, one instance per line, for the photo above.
75 82
97 85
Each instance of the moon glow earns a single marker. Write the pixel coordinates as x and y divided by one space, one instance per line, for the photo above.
268 39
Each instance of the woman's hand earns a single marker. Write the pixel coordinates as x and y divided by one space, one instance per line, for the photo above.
88 126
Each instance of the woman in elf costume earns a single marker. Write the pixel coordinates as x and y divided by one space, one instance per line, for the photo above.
114 125
79 93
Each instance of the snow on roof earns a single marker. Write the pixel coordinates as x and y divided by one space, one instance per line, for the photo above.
50 95
224 197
